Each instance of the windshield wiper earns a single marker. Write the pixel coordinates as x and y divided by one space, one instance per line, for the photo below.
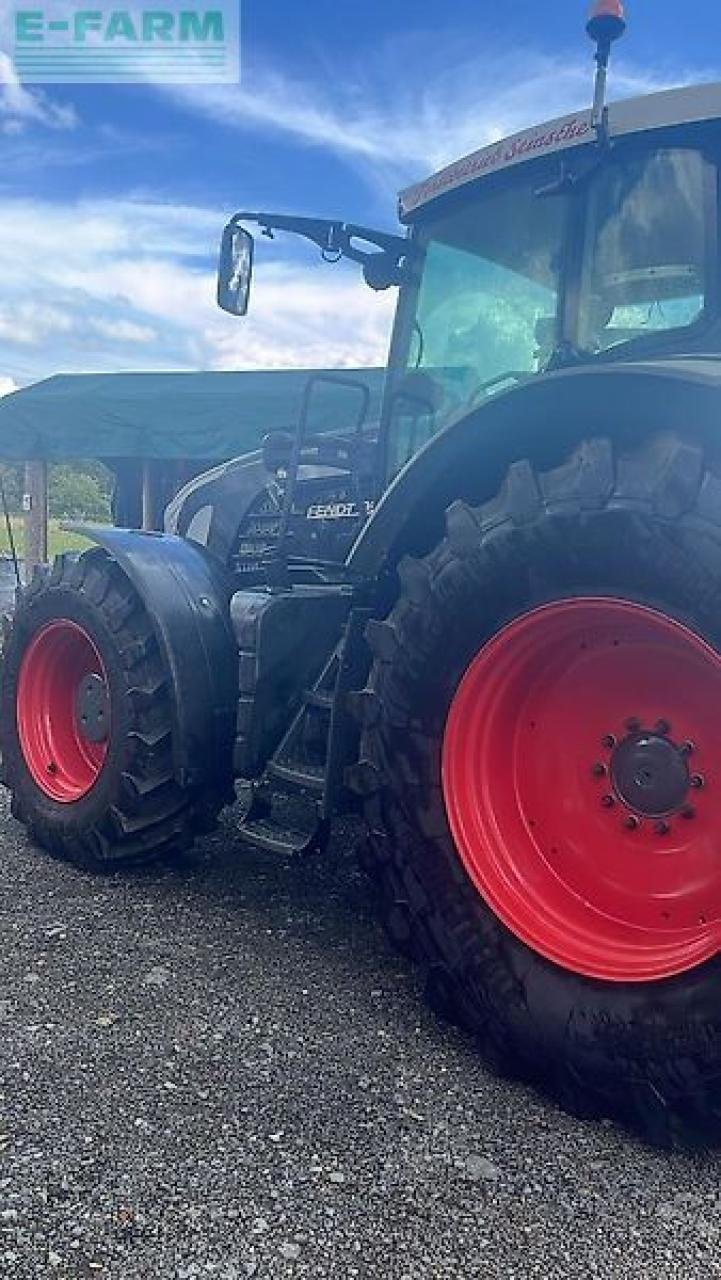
569 181
561 186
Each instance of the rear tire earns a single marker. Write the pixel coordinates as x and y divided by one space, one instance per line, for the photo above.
131 810
643 526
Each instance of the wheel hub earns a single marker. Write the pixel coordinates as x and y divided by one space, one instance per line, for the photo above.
92 709
63 710
650 774
594 834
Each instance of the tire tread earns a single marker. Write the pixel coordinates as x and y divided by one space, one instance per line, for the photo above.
650 1067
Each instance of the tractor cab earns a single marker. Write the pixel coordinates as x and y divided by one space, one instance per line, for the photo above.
589 255
567 244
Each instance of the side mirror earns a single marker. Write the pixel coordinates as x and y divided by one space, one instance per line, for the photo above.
235 269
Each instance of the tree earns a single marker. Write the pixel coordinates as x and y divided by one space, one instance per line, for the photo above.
75 494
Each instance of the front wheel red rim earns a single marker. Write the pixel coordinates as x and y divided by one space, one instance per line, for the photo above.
581 787
62 709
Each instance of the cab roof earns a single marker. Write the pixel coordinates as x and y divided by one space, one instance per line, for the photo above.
634 115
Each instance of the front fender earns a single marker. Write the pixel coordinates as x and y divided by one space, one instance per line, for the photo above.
186 594
542 419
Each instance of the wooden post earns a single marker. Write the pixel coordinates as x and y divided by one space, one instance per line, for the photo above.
147 492
35 505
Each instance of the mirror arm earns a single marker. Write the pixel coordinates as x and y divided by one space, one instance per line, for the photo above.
334 239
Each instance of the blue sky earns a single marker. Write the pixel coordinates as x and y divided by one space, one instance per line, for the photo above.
112 198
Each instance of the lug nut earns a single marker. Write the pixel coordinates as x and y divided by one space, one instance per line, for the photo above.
633 724
696 781
631 822
608 802
688 811
662 828
608 741
599 770
662 727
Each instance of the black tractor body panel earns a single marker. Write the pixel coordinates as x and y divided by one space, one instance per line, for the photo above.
540 419
209 509
284 639
235 512
186 593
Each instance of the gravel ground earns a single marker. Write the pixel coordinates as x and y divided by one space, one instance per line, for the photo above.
222 1071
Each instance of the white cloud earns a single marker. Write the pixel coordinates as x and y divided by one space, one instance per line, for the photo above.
312 317
7 385
122 284
100 284
122 330
28 323
383 122
21 107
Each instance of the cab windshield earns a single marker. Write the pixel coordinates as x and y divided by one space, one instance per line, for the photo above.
489 302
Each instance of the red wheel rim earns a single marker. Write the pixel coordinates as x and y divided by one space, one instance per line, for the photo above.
63 760
580 782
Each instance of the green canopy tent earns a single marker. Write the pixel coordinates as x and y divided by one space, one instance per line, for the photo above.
170 415
155 430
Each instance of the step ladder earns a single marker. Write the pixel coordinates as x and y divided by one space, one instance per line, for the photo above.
293 802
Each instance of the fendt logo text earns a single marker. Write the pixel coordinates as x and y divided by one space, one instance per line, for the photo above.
178 43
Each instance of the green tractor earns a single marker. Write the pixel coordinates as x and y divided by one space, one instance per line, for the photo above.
490 621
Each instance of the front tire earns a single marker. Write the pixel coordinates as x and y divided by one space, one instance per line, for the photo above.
564 899
86 722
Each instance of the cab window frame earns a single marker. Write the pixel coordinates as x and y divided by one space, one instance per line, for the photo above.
659 341
537 172
577 166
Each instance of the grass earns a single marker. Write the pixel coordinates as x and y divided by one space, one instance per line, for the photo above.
58 539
